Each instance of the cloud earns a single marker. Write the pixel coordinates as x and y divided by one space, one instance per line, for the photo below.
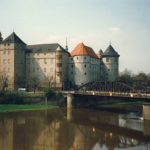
115 29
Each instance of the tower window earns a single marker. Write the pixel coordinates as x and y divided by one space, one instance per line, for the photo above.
85 65
85 73
107 59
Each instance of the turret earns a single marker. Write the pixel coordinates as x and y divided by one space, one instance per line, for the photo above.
111 61
100 53
66 45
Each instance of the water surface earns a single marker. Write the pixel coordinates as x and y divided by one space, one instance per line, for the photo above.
77 129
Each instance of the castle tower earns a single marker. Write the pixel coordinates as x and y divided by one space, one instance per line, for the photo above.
84 65
58 76
110 59
12 61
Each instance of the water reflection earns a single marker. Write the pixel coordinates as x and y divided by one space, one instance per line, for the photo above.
84 130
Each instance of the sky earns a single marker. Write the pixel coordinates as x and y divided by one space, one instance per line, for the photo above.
96 23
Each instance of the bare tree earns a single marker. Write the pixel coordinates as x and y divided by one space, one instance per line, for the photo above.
3 81
49 81
33 82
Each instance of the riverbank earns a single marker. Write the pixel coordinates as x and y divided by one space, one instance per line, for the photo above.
25 107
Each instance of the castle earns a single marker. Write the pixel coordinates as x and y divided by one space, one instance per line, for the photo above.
42 65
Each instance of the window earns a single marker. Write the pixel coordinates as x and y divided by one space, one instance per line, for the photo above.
72 66
8 61
4 52
44 53
85 73
77 57
45 62
8 52
8 69
4 61
44 69
84 58
85 65
107 59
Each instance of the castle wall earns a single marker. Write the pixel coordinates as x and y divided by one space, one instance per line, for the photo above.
111 68
7 66
83 69
47 67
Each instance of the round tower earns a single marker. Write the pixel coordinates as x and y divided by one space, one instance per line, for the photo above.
110 59
58 76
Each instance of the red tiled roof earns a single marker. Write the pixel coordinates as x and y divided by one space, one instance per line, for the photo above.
82 50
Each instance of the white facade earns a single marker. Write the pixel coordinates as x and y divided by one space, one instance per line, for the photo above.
52 65
83 69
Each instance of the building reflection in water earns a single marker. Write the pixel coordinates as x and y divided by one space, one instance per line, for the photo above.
50 130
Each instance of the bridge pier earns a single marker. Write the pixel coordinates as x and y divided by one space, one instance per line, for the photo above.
146 111
70 99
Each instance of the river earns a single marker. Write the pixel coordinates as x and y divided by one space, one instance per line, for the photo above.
77 129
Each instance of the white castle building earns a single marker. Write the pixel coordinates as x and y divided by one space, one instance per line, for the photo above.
42 65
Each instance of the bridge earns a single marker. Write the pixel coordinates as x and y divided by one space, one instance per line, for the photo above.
101 91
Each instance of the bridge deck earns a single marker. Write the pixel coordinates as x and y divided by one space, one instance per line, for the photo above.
111 94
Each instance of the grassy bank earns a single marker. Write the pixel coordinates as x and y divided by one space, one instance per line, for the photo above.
15 107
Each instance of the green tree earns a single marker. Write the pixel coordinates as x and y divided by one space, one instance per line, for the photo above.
126 77
141 81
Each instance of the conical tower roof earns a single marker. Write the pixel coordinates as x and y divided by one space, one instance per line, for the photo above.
82 50
110 52
13 38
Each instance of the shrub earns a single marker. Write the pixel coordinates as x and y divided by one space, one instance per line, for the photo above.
49 93
11 98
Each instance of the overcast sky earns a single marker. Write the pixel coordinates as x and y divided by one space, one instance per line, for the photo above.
126 23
